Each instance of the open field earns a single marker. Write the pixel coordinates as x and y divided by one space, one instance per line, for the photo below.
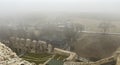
97 45
37 58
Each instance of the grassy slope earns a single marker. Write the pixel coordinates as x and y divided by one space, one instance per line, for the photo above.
37 58
97 45
60 57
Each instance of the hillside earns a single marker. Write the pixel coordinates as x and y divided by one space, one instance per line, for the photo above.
97 45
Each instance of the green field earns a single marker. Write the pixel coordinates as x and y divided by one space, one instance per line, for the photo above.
37 58
60 57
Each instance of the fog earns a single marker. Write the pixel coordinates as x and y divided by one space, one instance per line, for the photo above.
81 26
90 6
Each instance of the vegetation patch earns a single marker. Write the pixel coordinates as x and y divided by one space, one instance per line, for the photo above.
60 57
37 58
55 62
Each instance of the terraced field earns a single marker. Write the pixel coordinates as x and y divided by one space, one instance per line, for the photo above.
37 58
60 57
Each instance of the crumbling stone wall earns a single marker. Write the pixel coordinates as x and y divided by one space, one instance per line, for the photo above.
117 56
21 45
118 60
71 55
99 62
80 63
114 57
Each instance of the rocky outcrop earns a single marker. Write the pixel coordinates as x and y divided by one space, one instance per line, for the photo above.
8 57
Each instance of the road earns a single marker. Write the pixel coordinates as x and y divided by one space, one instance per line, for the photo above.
101 32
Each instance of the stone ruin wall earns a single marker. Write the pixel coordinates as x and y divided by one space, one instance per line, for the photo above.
71 55
115 57
99 62
21 45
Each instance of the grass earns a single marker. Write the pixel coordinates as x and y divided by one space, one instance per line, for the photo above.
60 57
37 58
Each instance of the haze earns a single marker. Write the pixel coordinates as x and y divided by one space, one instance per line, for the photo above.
83 31
89 6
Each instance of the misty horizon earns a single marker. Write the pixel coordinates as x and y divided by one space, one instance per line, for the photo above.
69 6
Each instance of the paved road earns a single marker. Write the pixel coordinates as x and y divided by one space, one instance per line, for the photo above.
100 32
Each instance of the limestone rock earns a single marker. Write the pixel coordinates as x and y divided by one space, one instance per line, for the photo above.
8 57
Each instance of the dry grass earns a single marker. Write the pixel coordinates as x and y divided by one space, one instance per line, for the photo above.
97 45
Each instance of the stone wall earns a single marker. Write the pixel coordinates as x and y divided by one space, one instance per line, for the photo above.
71 55
80 63
99 62
114 57
21 45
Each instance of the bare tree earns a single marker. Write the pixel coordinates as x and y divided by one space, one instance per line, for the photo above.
72 33
105 26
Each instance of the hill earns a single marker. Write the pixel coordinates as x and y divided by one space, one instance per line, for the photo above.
97 45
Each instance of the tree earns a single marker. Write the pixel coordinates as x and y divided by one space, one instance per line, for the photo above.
79 27
21 31
71 33
105 26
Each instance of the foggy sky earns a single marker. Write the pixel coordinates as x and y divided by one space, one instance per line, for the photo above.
24 6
